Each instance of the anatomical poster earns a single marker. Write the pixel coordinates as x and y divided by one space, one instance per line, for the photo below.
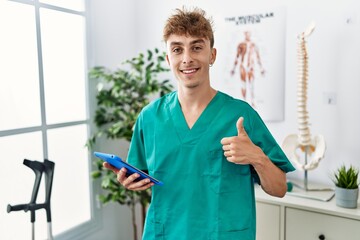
251 59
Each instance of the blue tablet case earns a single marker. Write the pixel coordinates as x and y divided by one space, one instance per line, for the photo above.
119 163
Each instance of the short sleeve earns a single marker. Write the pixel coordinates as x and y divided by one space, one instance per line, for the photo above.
261 136
136 155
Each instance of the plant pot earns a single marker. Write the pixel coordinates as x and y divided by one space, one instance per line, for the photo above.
346 198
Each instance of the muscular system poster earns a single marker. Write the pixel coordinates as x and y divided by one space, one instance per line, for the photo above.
251 59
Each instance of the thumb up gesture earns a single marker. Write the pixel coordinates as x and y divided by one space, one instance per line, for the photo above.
240 149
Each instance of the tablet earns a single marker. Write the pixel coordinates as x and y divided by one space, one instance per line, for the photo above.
119 163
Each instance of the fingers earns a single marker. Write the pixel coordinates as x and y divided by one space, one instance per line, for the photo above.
240 129
226 147
228 153
240 126
227 140
144 185
131 182
233 159
232 146
110 167
121 176
230 149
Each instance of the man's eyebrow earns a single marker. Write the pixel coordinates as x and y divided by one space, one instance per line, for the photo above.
201 41
176 43
197 41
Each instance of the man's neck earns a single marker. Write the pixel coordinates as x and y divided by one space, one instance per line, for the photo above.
194 98
193 102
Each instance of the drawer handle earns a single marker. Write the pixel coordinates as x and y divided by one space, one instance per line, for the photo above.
322 237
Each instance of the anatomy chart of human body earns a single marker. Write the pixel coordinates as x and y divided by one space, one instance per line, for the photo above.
251 49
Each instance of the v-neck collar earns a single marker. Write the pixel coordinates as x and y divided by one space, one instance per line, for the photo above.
191 135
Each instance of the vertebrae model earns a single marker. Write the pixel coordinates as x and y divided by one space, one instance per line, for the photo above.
313 148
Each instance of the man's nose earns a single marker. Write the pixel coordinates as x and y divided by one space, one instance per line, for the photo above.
187 57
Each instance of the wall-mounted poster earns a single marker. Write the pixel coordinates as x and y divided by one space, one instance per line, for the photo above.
251 65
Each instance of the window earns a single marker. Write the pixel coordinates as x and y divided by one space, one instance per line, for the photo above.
43 114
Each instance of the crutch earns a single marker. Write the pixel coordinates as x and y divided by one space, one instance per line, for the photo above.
49 175
38 168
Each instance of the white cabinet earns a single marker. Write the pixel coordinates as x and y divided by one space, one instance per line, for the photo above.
296 218
265 214
302 224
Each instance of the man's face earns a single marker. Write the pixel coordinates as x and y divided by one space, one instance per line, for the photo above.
189 59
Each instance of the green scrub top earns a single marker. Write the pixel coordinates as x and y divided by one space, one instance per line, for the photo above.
204 196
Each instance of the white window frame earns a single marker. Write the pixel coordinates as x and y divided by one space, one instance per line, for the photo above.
95 224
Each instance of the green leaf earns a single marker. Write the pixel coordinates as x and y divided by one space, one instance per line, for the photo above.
96 174
150 54
346 177
105 182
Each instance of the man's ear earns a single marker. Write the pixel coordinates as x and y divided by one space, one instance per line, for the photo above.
213 55
167 59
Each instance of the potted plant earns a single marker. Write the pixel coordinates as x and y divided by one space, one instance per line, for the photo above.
121 95
346 186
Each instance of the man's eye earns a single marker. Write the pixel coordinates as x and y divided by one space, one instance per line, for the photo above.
197 48
176 50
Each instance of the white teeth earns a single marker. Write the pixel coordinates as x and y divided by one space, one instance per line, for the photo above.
189 71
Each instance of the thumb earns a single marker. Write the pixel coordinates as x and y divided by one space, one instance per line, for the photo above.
240 126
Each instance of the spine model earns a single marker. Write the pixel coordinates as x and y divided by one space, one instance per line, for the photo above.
302 113
296 146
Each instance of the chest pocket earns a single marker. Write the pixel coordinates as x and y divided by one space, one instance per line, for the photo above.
224 176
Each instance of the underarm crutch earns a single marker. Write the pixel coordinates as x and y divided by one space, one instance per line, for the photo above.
38 167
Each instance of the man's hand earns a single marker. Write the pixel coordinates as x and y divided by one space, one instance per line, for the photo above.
240 149
129 182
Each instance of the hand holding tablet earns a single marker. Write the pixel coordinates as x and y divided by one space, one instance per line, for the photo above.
119 163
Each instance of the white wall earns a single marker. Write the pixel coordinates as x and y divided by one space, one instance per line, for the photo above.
121 29
111 40
112 32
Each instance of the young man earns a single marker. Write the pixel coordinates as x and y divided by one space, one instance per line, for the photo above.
205 146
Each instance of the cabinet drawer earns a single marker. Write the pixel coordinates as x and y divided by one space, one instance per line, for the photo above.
267 221
300 225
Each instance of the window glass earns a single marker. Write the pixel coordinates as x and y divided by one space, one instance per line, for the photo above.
19 89
77 5
71 191
16 186
63 46
56 60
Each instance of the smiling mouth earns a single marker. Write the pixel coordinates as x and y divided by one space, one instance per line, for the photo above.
189 71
